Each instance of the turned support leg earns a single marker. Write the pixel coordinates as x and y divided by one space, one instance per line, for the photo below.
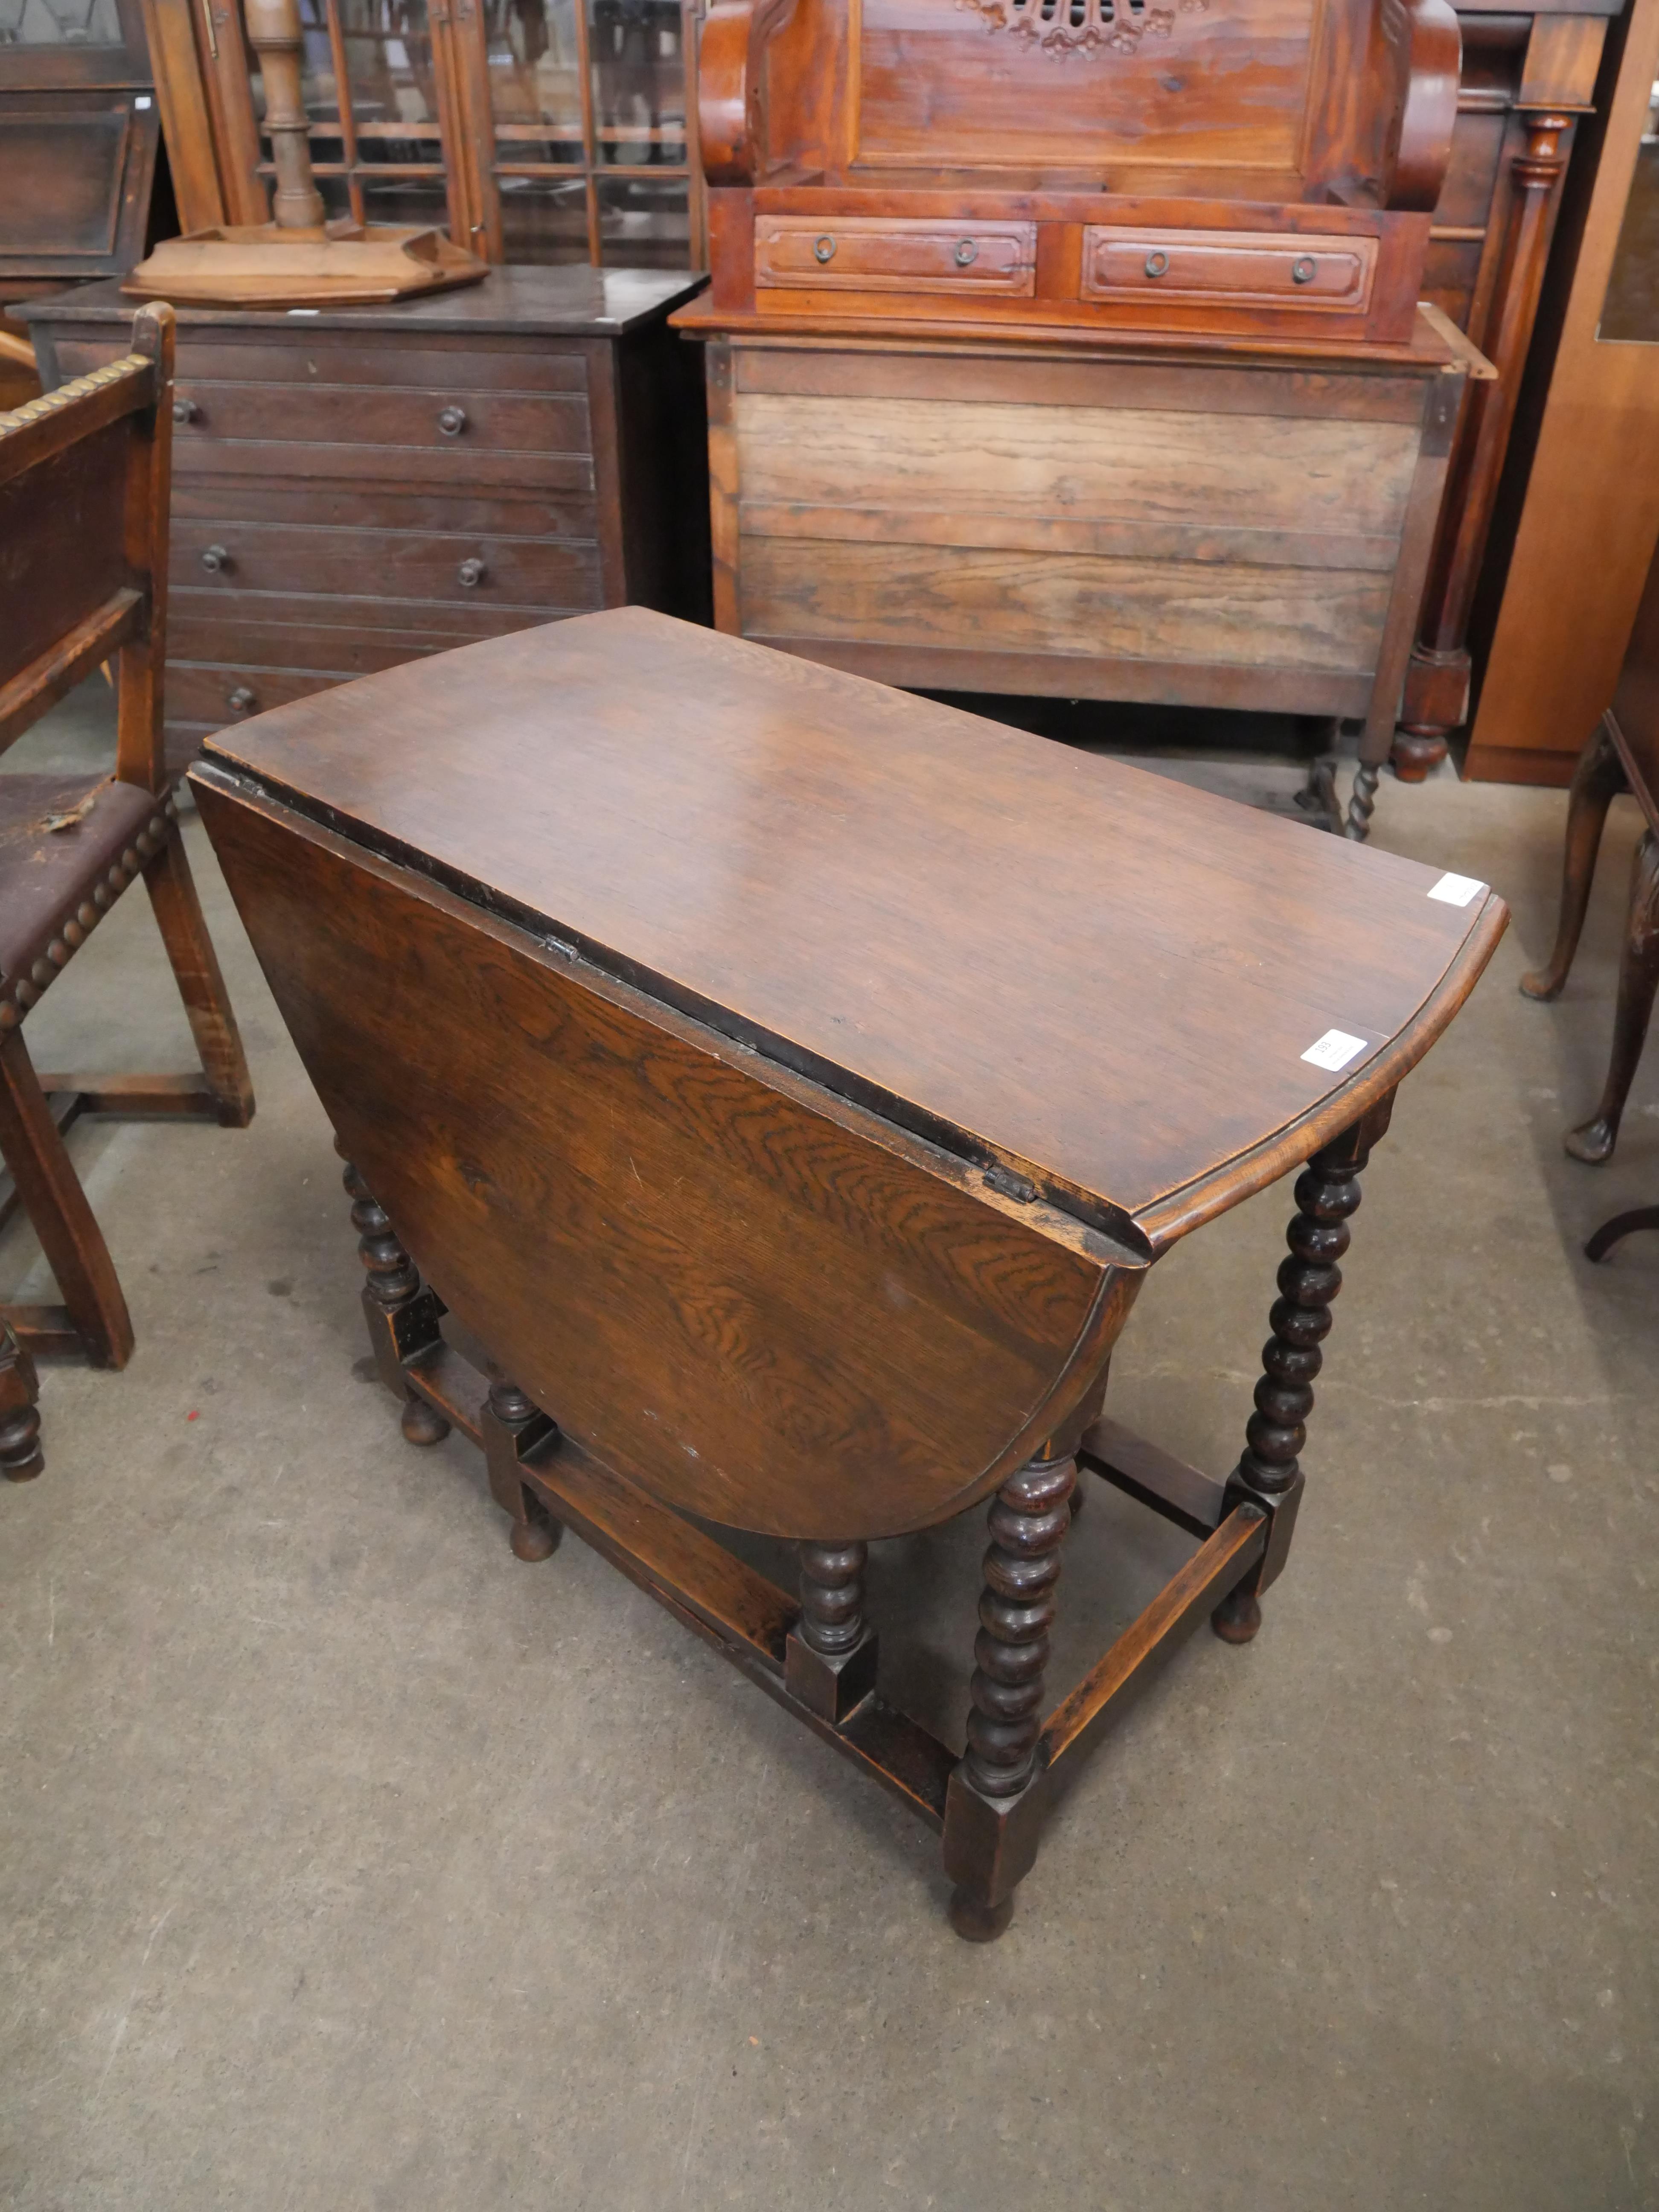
402 1315
512 1427
1596 782
1269 1471
829 1659
1362 802
21 1457
993 1807
1638 977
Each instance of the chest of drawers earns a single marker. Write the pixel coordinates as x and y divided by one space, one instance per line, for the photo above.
356 487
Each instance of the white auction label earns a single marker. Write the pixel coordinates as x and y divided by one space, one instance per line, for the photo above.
1335 1049
1456 891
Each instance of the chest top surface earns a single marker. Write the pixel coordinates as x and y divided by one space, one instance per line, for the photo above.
1106 981
570 300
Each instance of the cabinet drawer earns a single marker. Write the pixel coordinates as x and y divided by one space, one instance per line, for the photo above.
217 696
462 570
342 638
866 254
1240 268
403 508
361 359
365 416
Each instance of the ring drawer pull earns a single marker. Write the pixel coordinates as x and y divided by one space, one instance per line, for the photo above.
967 253
1157 264
242 700
215 560
451 420
824 249
1304 268
186 411
470 572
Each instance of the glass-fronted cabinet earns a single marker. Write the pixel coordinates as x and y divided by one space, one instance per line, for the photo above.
532 131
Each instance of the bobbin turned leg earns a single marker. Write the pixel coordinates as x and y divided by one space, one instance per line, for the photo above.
21 1457
512 1427
993 1807
402 1315
829 1659
1269 1473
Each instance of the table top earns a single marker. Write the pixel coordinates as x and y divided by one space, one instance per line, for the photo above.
570 298
1106 982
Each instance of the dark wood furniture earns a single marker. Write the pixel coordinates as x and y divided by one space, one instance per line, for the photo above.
359 487
1529 80
1584 535
1078 351
1622 754
79 139
83 538
784 1086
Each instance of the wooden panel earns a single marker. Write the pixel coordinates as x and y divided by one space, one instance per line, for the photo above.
329 360
945 596
329 636
364 417
1226 85
1245 269
61 535
769 1317
795 844
378 564
1082 464
891 254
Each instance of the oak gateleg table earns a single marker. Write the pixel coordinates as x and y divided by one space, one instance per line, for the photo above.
789 1083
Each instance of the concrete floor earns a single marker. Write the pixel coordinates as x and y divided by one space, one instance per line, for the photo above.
350 1863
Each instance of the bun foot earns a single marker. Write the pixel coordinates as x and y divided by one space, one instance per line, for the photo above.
421 1424
979 1923
1593 1142
534 1540
1237 1617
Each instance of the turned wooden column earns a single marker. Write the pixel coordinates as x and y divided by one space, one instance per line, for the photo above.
275 34
830 1660
21 1457
1269 1470
403 1315
1436 693
993 1805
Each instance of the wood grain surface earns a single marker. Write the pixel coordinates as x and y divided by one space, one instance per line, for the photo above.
1025 953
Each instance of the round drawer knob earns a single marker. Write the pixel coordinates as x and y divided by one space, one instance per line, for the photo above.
242 700
824 249
967 253
215 560
470 572
451 420
186 411
1157 264
1304 268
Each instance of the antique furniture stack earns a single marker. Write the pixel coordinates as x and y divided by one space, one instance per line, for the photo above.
1076 347
356 487
765 1095
83 537
1622 754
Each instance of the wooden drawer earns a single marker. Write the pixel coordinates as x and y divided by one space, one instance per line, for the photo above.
214 696
402 507
343 639
527 572
889 254
1236 268
430 366
366 416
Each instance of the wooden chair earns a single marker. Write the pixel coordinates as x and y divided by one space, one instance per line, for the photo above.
84 480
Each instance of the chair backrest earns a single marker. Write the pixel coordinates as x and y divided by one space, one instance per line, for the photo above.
84 480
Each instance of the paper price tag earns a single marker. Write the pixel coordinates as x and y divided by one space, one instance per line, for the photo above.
1334 1049
1456 891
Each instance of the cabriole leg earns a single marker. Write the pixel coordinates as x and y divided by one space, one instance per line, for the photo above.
993 1807
1638 977
1596 782
1269 1472
402 1315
